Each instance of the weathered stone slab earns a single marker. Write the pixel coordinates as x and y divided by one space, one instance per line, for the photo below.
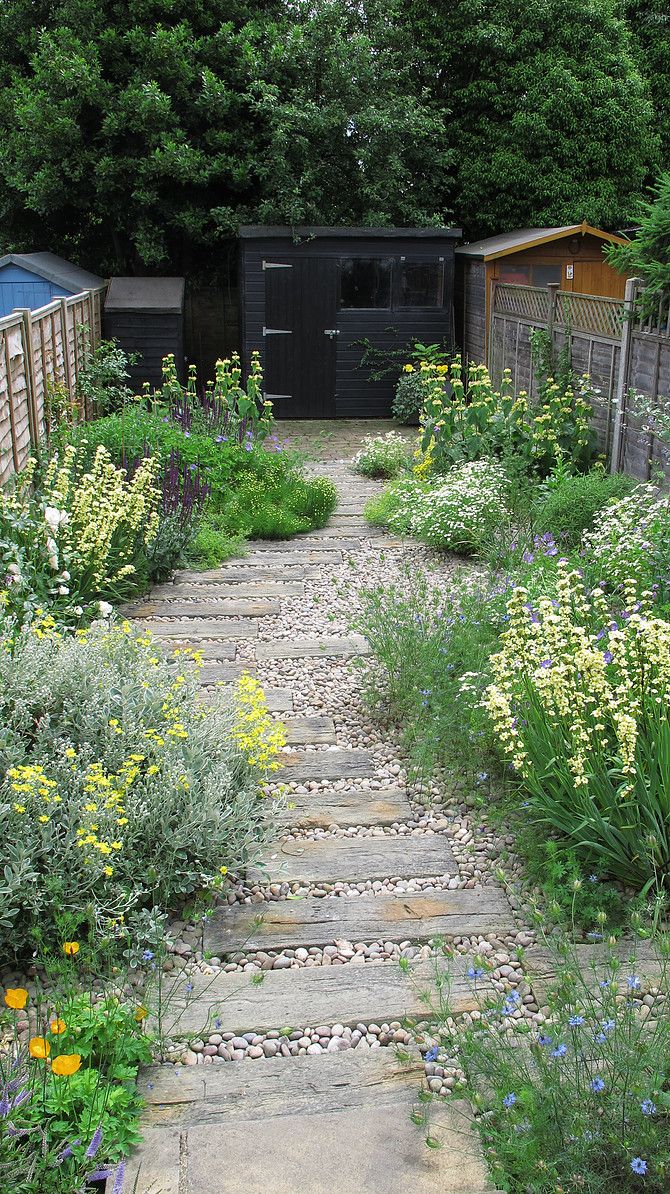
218 589
240 572
205 628
311 810
377 993
545 968
313 648
252 607
282 559
211 652
302 544
313 921
278 700
325 764
357 859
213 672
155 1167
301 731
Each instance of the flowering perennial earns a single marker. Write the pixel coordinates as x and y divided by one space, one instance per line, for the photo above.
579 704
454 513
258 737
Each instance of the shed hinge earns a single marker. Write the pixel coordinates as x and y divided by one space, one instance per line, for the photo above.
276 265
277 331
273 397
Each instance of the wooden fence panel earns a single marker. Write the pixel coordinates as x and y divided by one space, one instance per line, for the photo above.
597 329
40 349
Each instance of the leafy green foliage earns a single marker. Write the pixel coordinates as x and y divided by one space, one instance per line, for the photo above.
382 456
647 256
408 398
571 506
102 379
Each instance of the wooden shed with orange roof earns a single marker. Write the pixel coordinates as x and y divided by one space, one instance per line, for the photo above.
571 256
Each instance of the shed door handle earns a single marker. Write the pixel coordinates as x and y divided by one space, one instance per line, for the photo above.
331 332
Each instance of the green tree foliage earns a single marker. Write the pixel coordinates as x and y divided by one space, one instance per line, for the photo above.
649 23
550 112
143 132
648 254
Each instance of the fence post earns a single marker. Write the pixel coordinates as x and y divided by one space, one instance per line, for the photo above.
492 310
624 370
553 288
29 370
65 336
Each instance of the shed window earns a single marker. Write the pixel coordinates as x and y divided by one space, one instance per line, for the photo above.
366 282
544 274
420 283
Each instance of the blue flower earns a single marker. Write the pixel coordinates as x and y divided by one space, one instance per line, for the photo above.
600 1038
608 1025
575 1021
559 1051
633 982
545 663
593 878
188 988
509 1100
597 1085
431 1054
638 1165
608 656
474 972
606 982
147 955
544 1040
647 1107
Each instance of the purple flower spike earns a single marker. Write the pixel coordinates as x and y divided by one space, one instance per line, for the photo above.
608 656
118 1180
67 1151
95 1143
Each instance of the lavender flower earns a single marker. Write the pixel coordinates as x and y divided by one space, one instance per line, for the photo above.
96 1141
118 1180
509 1100
647 1107
67 1151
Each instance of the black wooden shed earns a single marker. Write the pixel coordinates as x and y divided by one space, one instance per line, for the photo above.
310 295
146 316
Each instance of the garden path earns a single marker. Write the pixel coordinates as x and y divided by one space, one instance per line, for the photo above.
327 1106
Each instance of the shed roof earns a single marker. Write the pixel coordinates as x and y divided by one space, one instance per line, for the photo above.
528 238
55 269
258 231
145 294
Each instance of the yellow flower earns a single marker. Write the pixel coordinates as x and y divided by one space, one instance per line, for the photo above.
223 870
66 1064
16 997
44 820
39 1047
57 1026
109 871
71 948
70 753
141 1013
19 808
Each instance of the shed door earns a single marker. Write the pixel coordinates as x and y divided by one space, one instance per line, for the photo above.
300 337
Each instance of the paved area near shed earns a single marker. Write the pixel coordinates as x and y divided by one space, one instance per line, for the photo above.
361 874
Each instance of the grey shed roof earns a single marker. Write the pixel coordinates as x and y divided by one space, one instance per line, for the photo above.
145 294
527 238
54 269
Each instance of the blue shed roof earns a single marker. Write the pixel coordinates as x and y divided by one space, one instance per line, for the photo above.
55 269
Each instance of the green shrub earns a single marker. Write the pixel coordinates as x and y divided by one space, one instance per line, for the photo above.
571 506
579 1102
408 398
119 789
211 546
631 539
102 380
382 456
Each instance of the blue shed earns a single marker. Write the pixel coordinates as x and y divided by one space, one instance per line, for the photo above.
34 279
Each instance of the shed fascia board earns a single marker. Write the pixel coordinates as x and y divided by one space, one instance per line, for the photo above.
276 231
150 294
54 269
534 237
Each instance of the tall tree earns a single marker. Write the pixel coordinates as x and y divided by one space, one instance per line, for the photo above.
550 114
649 24
139 134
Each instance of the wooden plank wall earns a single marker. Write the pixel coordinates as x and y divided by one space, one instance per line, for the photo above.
646 369
40 349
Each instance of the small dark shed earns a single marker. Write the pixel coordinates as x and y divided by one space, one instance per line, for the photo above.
310 295
34 279
570 256
146 316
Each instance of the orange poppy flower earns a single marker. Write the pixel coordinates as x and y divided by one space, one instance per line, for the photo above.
66 1064
57 1026
71 948
16 997
39 1048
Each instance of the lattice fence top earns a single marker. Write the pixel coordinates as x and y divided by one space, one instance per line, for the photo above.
590 313
528 302
657 322
581 312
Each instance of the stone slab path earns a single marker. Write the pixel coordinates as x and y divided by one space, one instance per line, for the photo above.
313 1115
